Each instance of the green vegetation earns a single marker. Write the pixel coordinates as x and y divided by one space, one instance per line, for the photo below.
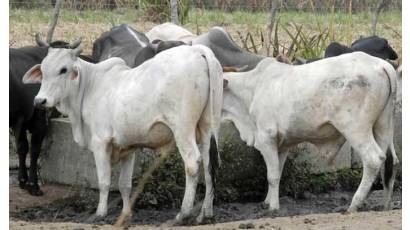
299 33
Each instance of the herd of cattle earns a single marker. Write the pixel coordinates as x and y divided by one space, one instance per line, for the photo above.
170 87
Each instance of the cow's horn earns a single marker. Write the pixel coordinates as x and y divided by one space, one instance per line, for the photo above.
77 51
40 42
75 43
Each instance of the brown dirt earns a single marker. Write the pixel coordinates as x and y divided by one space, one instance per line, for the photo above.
361 220
19 199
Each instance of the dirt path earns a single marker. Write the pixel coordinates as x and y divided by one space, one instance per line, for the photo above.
361 220
64 207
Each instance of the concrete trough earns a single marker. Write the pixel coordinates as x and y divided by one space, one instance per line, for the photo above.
63 161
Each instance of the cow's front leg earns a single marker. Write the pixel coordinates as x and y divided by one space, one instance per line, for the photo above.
103 164
282 160
125 181
268 148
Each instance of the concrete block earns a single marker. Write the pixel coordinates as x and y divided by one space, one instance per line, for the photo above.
65 162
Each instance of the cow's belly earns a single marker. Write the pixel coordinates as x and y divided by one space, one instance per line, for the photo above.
307 132
150 136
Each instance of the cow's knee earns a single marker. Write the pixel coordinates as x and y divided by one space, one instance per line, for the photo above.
192 166
104 186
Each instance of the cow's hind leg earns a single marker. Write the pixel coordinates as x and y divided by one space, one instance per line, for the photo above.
383 132
189 151
36 141
372 157
388 173
209 163
125 180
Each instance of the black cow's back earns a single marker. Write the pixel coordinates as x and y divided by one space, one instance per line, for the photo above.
375 46
118 42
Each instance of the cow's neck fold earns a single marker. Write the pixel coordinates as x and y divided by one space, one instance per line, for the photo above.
237 102
76 101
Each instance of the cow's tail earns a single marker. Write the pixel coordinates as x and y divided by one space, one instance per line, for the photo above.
214 106
391 158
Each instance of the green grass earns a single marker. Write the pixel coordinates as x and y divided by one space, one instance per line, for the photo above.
342 27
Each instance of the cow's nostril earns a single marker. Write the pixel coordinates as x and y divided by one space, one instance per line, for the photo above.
38 102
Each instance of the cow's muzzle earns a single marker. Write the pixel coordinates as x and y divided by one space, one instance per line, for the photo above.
39 102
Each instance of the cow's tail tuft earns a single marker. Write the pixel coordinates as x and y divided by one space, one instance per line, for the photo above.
388 167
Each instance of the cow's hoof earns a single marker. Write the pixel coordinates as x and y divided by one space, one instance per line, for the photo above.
270 212
22 184
264 205
340 209
201 219
182 219
34 190
93 219
205 217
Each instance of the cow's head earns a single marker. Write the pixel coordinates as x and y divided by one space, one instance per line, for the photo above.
57 73
159 45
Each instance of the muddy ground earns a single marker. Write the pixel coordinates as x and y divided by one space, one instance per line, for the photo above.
70 205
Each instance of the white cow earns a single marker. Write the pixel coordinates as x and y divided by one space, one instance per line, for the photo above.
174 98
350 97
169 31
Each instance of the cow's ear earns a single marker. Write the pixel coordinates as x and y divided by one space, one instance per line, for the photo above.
75 74
34 75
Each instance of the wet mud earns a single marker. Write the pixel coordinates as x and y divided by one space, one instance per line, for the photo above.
79 207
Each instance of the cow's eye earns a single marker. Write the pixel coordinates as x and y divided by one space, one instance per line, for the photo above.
63 70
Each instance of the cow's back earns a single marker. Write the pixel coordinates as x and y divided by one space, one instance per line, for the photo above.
121 41
226 50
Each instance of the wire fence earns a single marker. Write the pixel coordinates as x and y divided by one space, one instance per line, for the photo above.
224 5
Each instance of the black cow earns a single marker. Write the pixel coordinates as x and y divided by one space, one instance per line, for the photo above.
154 48
227 51
23 116
335 49
132 46
375 46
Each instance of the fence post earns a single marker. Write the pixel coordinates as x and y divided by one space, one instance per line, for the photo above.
174 12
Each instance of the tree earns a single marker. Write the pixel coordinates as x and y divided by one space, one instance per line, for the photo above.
174 12
269 28
380 6
53 22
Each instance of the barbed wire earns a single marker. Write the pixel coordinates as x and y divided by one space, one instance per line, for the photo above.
79 5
